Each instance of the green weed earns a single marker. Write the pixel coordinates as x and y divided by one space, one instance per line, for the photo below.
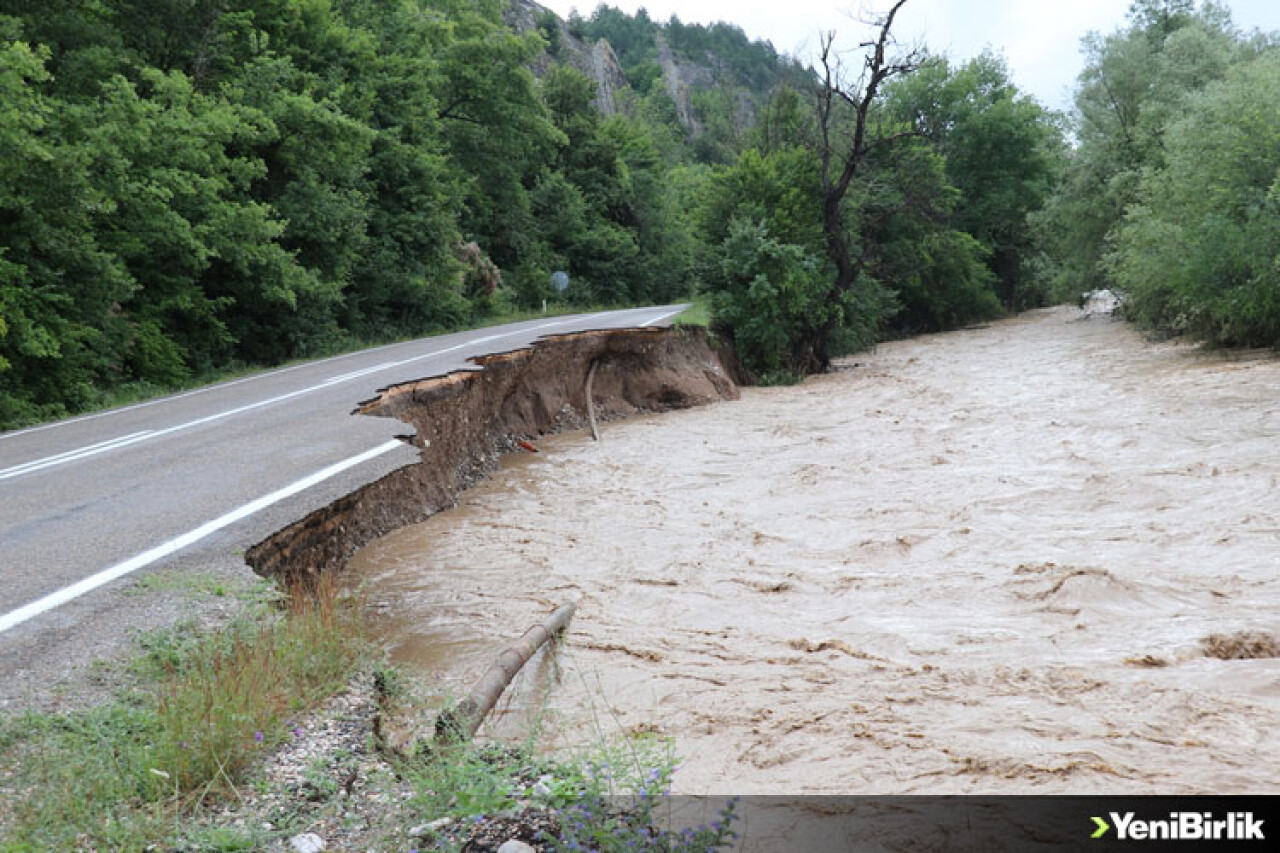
697 314
608 797
122 775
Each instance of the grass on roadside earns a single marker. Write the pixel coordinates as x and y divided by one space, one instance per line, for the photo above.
200 585
157 767
122 775
697 314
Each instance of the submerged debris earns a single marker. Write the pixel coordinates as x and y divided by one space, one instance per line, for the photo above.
1100 303
1243 645
1147 661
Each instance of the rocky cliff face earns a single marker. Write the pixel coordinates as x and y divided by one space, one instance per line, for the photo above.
597 61
607 73
678 78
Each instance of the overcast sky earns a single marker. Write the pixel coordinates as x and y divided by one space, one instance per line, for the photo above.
1040 39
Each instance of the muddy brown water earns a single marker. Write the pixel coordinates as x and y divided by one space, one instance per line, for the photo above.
985 561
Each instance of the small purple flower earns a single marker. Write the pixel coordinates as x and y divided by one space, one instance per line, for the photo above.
297 731
182 744
258 736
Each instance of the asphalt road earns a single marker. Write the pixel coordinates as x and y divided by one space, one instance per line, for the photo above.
194 479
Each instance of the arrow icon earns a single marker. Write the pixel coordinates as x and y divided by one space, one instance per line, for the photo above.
1102 828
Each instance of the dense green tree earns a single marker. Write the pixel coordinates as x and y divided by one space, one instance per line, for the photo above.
767 273
936 272
1199 252
607 213
316 162
1002 152
1169 193
779 189
767 292
407 281
786 121
663 226
59 290
634 38
1134 82
720 133
183 224
498 134
602 255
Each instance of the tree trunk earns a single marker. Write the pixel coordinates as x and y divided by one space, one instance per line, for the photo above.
591 406
841 167
460 722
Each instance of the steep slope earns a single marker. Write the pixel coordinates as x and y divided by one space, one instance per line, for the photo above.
708 74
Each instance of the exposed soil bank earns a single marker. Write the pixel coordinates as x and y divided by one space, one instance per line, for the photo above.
1037 557
465 420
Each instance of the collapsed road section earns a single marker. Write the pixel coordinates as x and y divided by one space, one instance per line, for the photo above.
464 421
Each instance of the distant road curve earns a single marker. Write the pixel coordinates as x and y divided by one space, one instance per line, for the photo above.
89 500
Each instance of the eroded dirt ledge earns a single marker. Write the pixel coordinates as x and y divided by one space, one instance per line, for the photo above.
467 419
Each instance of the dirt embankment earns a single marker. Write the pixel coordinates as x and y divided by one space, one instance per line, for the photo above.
466 420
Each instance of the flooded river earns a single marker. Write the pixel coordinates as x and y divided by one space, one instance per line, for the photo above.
986 561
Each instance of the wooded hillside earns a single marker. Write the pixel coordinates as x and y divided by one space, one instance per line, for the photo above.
187 188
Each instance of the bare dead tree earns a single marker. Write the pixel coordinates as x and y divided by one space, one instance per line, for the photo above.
846 144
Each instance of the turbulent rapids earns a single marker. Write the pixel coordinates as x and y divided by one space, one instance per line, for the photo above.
1035 557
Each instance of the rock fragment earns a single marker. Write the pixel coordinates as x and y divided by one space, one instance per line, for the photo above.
308 842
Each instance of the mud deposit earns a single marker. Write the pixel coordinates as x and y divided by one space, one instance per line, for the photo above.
1042 556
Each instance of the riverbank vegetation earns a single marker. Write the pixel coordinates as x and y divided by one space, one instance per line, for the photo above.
1172 192
247 735
187 189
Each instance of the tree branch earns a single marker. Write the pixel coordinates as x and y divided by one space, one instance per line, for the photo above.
877 69
448 112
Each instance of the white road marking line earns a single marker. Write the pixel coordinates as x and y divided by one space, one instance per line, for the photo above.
356 374
113 444
106 576
37 463
103 447
661 318
193 392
